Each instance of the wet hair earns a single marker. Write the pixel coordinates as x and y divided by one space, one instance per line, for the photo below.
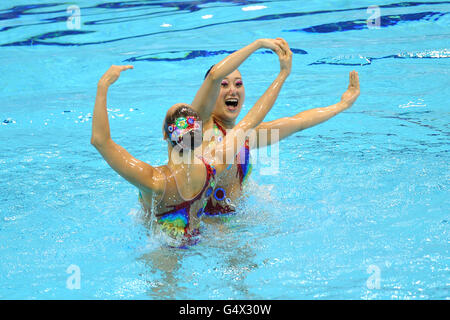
183 111
207 72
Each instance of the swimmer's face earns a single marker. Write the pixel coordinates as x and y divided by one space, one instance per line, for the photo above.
231 97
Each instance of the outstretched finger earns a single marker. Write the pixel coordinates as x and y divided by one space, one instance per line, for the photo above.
122 68
355 79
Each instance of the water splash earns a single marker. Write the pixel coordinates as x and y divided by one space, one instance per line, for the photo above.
413 104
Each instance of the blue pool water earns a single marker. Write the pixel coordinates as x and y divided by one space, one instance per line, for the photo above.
359 208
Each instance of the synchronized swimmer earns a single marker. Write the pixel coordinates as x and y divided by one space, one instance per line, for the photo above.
180 193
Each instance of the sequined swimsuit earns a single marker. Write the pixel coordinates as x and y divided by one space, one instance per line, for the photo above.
223 204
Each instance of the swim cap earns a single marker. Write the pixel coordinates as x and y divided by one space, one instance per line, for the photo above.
183 127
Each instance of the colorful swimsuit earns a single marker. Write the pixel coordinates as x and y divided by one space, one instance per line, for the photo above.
244 167
175 222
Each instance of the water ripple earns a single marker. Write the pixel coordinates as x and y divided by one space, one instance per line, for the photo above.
359 60
193 54
361 24
193 6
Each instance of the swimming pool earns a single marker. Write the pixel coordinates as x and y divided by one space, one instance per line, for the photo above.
359 208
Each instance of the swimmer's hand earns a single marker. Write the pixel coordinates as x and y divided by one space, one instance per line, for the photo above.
352 93
285 55
112 75
272 44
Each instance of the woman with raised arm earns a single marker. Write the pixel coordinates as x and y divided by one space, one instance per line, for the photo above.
176 193
223 118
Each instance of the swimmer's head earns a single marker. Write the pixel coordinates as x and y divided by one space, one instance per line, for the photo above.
182 127
231 97
207 72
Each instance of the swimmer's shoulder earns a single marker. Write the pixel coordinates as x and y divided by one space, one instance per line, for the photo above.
156 183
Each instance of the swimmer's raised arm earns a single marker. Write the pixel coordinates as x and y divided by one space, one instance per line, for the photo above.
100 124
254 117
206 96
309 118
137 172
234 139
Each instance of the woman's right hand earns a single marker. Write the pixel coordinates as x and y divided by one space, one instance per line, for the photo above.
285 56
352 93
112 75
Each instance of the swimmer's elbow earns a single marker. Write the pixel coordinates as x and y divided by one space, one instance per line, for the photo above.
94 141
247 124
97 142
212 75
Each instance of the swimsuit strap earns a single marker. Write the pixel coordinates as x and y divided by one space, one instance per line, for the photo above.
243 163
224 132
210 174
242 157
